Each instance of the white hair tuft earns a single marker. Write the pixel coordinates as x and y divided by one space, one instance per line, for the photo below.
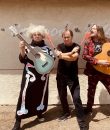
35 29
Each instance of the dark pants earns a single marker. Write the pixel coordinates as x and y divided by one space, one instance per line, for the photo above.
92 83
62 83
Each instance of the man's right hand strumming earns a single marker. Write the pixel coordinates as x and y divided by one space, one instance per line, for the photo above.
103 62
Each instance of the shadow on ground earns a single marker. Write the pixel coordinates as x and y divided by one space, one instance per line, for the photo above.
52 114
103 110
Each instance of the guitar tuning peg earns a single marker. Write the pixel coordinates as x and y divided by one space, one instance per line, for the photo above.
21 33
16 24
2 29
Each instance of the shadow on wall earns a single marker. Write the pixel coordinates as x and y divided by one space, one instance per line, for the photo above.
104 97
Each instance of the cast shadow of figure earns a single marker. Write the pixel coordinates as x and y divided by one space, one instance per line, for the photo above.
103 107
52 113
49 115
104 100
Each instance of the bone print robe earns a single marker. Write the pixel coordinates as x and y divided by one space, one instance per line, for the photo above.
33 87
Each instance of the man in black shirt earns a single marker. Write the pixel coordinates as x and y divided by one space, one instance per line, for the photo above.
67 75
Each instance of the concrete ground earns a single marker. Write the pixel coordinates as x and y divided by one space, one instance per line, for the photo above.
9 90
98 121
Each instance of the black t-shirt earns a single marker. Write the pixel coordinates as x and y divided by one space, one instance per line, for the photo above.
67 68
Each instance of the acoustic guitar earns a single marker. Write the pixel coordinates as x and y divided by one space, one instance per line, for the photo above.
104 55
43 62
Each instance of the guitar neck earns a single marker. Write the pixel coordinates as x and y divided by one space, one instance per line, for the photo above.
28 46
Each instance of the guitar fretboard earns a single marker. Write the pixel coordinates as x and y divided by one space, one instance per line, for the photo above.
29 47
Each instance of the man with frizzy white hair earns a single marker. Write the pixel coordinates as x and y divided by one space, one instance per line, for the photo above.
33 96
36 29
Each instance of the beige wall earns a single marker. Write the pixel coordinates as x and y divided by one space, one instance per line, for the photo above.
54 14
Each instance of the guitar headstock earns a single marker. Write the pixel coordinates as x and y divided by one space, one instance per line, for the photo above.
13 30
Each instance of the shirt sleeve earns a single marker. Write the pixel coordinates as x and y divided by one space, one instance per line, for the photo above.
23 59
88 54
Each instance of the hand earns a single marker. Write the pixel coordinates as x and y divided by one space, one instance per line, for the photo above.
75 49
57 52
22 45
103 62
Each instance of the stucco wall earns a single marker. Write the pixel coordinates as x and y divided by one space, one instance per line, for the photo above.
54 14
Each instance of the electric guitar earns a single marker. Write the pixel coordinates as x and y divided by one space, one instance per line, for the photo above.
104 55
43 62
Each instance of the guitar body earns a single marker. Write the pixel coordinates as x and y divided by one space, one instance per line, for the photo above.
44 66
104 55
43 62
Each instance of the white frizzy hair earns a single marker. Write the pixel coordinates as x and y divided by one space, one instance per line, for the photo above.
35 29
